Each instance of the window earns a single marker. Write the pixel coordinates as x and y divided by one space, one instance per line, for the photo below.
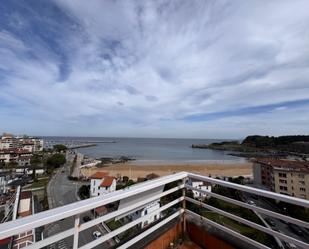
302 182
93 190
283 181
302 189
282 175
301 175
283 188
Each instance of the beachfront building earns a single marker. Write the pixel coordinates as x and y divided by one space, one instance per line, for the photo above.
8 141
283 176
31 144
17 155
200 185
101 183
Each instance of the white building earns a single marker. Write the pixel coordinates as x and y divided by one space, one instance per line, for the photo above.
202 186
101 184
3 183
15 155
31 144
8 141
149 209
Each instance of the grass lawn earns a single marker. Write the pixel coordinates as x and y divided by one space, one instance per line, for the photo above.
228 222
114 224
238 227
39 183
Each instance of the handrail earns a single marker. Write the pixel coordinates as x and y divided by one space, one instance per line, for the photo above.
261 192
20 225
252 207
75 209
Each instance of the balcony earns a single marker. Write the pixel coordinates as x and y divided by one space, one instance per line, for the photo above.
178 207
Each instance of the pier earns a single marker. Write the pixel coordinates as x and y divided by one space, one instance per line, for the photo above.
74 144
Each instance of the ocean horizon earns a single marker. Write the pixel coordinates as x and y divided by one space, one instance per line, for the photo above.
153 150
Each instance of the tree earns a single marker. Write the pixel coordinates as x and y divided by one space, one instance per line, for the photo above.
56 160
35 161
60 147
12 164
84 191
125 179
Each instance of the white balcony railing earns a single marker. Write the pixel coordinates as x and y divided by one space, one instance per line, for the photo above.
75 210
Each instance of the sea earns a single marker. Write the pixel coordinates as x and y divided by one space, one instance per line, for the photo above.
152 150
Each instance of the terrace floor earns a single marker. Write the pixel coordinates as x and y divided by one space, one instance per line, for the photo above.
188 245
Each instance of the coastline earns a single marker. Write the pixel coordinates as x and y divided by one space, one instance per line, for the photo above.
134 171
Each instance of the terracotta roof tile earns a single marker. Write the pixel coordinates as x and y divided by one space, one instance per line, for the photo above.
285 164
107 181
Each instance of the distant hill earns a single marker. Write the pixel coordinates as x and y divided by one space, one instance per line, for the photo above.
297 143
268 144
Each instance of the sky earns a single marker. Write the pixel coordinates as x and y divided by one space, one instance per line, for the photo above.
165 68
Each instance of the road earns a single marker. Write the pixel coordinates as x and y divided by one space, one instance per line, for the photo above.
279 225
62 191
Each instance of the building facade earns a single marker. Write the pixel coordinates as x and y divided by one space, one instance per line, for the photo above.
283 176
101 184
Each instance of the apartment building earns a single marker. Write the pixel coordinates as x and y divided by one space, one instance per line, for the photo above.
283 176
15 155
9 141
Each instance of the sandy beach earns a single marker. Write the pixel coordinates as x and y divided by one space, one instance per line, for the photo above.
134 171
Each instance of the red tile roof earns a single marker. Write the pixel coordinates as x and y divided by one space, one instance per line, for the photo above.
101 210
99 175
14 151
107 181
285 164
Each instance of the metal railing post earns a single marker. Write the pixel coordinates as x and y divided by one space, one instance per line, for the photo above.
184 226
76 231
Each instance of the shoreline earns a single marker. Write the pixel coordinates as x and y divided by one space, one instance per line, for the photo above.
134 171
157 162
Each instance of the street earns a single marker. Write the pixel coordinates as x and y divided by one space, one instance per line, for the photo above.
62 191
278 224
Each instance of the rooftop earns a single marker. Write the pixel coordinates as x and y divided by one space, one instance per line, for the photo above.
285 164
107 181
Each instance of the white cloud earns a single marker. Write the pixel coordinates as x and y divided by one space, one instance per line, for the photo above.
135 65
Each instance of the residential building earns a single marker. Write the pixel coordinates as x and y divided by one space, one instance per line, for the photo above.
25 208
101 184
283 176
31 144
17 155
150 209
8 141
202 186
3 182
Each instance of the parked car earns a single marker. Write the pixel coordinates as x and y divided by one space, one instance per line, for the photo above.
96 234
86 218
251 203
